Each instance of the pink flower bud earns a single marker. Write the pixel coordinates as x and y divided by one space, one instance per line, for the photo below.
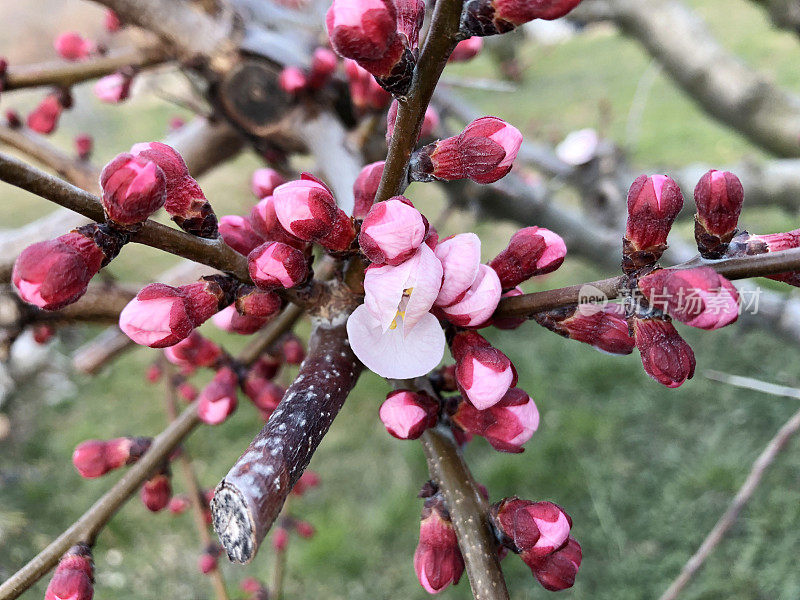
305 208
43 334
666 357
479 301
265 222
365 92
187 391
603 327
178 504
532 251
365 188
304 529
437 559
251 585
264 182
185 202
557 571
484 374
490 17
207 563
56 273
156 492
276 265
280 539
195 351
293 351
114 88
218 400
239 234
83 146
292 80
323 65
94 458
467 49
133 189
307 481
506 425
698 297
73 578
532 529
341 235
229 319
429 123
484 152
264 393
773 242
406 414
392 231
44 117
72 46
460 256
653 204
111 21
719 197
253 302
363 30
410 15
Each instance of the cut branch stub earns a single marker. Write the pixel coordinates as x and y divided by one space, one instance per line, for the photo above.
251 496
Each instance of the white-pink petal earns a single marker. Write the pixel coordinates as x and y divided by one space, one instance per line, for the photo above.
528 416
460 256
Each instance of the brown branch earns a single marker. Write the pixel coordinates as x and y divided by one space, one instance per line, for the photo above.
197 498
785 14
439 43
89 525
251 495
65 74
758 265
719 82
760 466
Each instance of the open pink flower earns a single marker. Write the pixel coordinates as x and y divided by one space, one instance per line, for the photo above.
393 333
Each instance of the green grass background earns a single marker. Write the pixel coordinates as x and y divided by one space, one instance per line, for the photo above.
644 471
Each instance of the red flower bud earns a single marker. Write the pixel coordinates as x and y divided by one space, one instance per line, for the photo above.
719 196
292 80
603 327
506 425
44 117
208 561
72 46
392 231
490 17
73 578
304 529
484 374
532 529
280 539
194 351
265 222
557 571
293 351
94 458
218 399
239 234
264 182
484 152
323 65
307 481
365 92
156 492
532 251
365 188
111 21
178 504
276 265
114 88
185 202
437 559
341 236
264 393
467 49
43 334
774 242
406 414
305 208
56 273
698 297
13 120
666 357
133 189
363 30
253 302
410 15
229 319
83 146
653 204
187 391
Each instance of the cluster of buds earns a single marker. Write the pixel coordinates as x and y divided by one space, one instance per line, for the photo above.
73 578
95 458
437 560
380 35
73 46
492 17
484 152
294 80
540 533
44 118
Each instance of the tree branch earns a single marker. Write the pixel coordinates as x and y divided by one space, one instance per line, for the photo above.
65 74
251 495
760 466
89 525
439 43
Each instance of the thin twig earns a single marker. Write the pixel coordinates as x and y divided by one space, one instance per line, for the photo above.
754 384
281 557
89 525
760 466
